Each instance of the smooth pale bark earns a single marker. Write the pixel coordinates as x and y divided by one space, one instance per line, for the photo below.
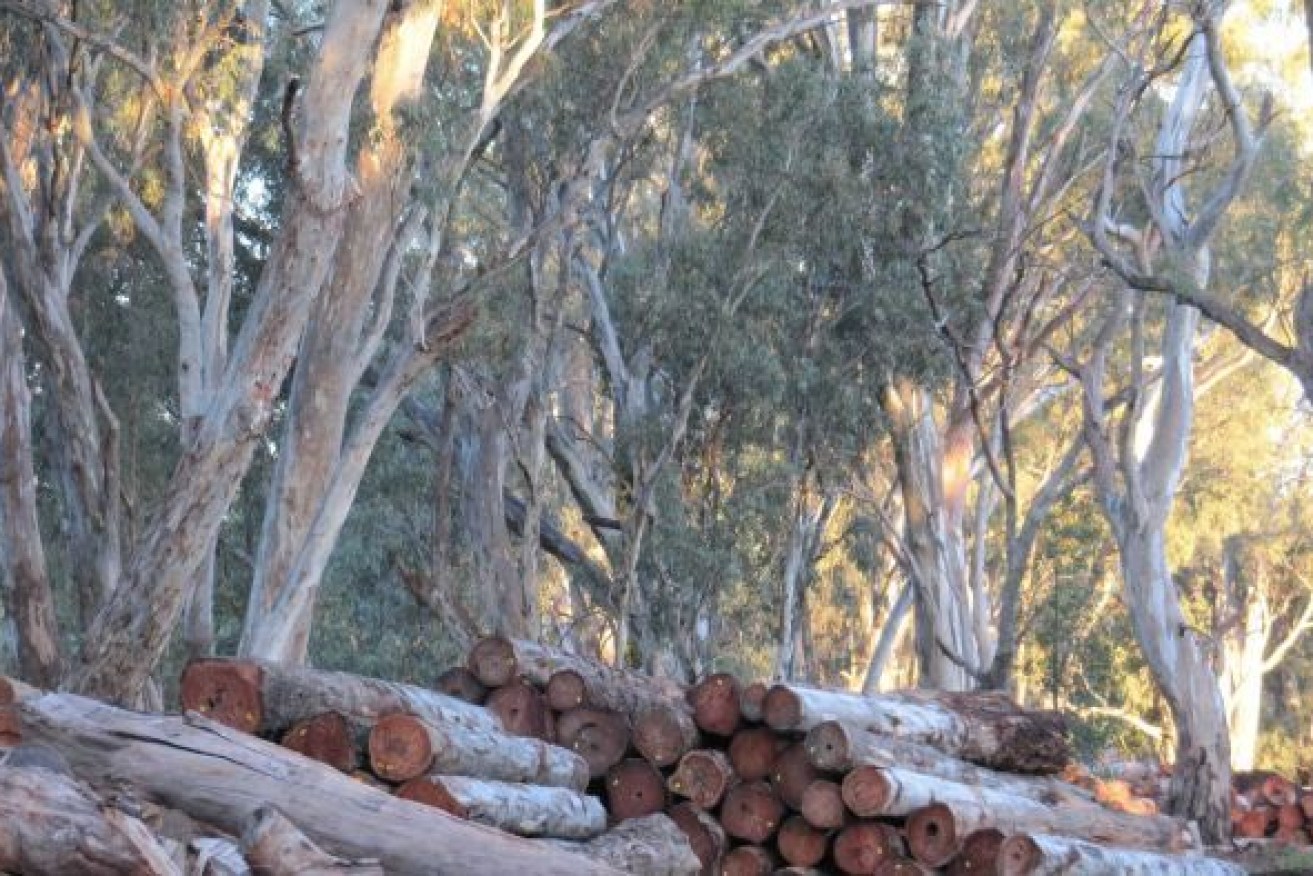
132 631
1028 854
523 810
28 600
649 846
163 757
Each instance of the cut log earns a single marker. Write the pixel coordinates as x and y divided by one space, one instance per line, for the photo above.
492 661
801 844
521 709
753 752
861 847
715 702
1280 791
792 774
649 846
566 690
460 683
331 738
841 748
900 866
163 756
752 698
1038 855
275 846
985 728
11 729
979 853
932 836
1290 817
600 737
823 806
14 691
524 810
663 733
869 791
748 861
752 812
634 788
1255 823
703 776
704 834
50 825
266 698
404 747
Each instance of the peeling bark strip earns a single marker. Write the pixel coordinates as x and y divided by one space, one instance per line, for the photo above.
524 810
274 846
985 728
257 696
51 826
403 747
704 834
1037 855
648 846
162 755
870 792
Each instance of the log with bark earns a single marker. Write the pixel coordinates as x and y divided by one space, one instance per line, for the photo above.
1038 855
985 728
704 834
460 683
716 704
51 825
649 846
524 810
599 736
404 747
14 691
871 791
703 776
257 696
752 812
274 846
840 747
163 756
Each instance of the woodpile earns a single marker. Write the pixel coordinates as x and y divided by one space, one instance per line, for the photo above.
530 760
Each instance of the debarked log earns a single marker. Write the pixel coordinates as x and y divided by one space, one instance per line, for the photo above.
1038 855
524 810
649 846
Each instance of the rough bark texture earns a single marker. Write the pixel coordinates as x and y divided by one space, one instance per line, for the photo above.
704 834
51 826
274 846
649 846
524 810
262 697
840 747
165 758
402 747
869 791
1038 855
984 728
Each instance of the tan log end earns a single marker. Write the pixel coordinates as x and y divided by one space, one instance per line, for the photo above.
748 861
979 854
823 806
327 738
430 792
792 773
705 835
866 791
492 660
828 746
703 776
716 704
400 748
801 844
521 709
861 847
461 683
782 708
752 812
634 788
932 835
753 752
566 690
227 691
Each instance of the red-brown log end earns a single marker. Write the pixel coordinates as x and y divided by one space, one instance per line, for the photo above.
8 692
327 738
792 773
600 737
703 776
566 690
1306 803
11 729
462 684
932 835
1279 791
827 745
663 734
782 709
753 752
227 691
521 708
704 833
430 792
801 844
1019 856
822 805
400 748
861 847
979 855
866 791
1290 816
634 788
1255 823
715 702
492 660
751 700
751 812
748 861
